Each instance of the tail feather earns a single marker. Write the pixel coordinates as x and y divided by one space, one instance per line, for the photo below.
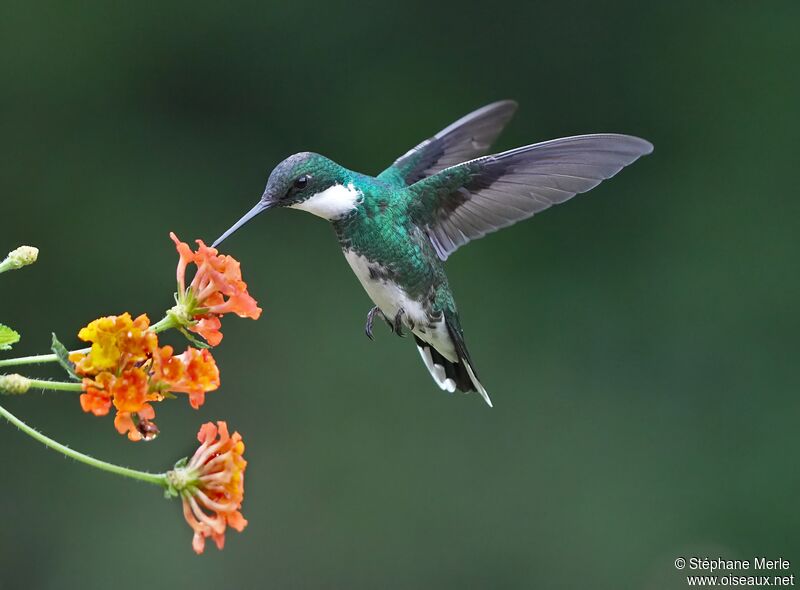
478 386
450 375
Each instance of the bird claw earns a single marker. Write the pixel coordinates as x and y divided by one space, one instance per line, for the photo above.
398 322
370 317
395 325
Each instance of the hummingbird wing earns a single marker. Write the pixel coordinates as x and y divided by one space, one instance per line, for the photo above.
469 137
467 201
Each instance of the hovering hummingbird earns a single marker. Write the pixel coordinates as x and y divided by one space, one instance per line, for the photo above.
397 229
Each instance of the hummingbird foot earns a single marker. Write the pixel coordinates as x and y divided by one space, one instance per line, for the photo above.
398 322
375 311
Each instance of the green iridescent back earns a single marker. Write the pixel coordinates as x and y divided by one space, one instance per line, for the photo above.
381 230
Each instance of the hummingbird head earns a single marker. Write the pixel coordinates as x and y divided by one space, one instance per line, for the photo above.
309 182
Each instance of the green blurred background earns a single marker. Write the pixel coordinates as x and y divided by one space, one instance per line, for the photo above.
638 342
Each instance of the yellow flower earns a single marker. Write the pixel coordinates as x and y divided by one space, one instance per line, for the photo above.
117 341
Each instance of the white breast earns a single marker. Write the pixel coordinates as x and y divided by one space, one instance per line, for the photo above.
387 295
391 298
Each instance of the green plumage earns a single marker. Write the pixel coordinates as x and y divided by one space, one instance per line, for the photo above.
382 229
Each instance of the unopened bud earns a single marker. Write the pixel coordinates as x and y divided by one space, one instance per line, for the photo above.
22 256
14 384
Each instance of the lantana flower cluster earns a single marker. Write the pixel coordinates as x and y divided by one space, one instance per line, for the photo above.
211 485
128 369
217 289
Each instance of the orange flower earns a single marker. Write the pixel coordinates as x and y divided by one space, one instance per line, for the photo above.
96 399
211 485
216 289
117 341
131 391
167 368
127 369
200 375
209 328
131 394
194 372
137 425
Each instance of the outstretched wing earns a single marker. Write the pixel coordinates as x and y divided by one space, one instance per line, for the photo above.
469 137
467 201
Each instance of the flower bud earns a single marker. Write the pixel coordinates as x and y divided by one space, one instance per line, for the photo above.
22 256
14 384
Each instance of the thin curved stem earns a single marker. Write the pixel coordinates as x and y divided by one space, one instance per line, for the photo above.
154 478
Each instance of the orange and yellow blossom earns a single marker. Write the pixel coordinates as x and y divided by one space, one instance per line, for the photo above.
117 341
216 289
194 372
211 485
126 368
97 397
130 394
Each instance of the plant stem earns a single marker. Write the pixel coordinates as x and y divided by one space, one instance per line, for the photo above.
55 385
154 478
165 323
36 359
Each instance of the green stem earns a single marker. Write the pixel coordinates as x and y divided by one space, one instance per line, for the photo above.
36 359
6 265
166 323
154 478
55 385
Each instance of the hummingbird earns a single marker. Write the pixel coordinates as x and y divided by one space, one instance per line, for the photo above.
398 228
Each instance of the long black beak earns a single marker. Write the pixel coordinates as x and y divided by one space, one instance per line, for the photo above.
258 209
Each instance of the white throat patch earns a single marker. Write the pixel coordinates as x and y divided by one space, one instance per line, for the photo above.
332 203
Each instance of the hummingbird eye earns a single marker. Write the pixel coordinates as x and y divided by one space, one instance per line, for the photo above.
301 182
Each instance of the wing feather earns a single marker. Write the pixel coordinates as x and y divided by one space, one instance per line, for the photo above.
466 201
469 137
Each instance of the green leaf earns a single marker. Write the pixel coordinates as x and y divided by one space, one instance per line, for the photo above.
7 337
63 358
192 339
